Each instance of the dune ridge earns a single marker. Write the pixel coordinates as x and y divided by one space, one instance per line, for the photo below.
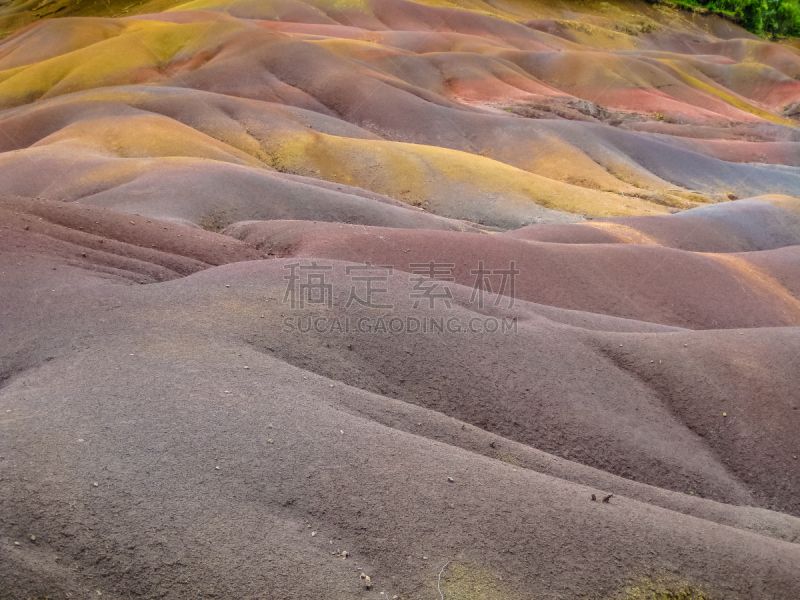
478 299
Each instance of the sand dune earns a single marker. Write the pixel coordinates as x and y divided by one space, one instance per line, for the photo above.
295 290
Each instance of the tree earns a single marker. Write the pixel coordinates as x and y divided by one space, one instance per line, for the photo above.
774 17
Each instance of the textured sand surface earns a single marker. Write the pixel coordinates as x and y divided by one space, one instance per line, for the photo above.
295 291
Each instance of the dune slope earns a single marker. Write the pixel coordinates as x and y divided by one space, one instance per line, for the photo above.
478 300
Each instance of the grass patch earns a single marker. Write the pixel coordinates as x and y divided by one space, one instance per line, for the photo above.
471 582
664 589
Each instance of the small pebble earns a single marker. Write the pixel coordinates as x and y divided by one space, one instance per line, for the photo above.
95 484
216 468
450 480
33 538
16 543
313 534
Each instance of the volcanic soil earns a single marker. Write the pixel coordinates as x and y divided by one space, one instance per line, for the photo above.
476 300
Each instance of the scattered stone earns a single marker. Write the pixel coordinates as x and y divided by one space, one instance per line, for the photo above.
216 468
33 538
607 499
95 484
450 480
16 543
367 582
313 534
594 498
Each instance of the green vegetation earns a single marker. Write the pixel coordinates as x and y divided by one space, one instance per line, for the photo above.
686 593
763 17
663 589
471 582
